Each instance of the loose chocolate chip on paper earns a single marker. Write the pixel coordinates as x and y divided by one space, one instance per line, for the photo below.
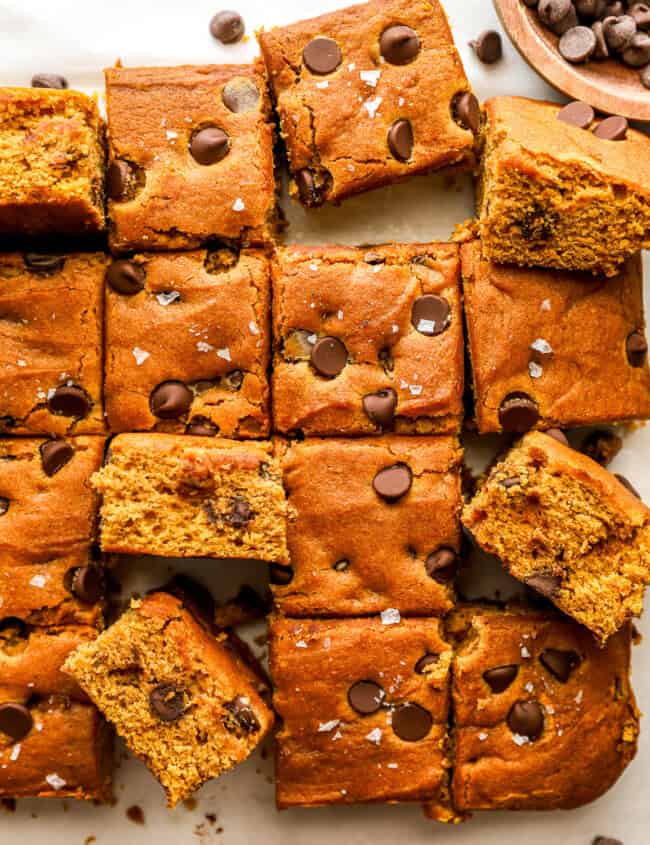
636 348
227 26
88 584
170 400
430 314
560 663
411 722
69 401
612 129
280 575
167 702
602 446
577 44
545 584
501 677
393 482
240 95
400 139
322 56
49 80
526 718
125 277
399 44
242 714
44 264
425 661
55 454
442 565
4 505
518 413
488 47
15 720
466 111
380 406
627 484
365 697
329 356
577 114
209 145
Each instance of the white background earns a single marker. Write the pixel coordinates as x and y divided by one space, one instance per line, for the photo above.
79 39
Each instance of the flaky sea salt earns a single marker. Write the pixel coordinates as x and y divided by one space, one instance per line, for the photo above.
203 346
21 362
238 204
167 297
351 66
541 345
524 651
529 687
55 781
482 736
140 355
394 328
391 765
224 353
518 739
415 389
301 644
253 327
426 326
578 697
390 616
534 369
171 135
370 77
372 105
546 305
374 736
323 84
326 727
15 752
38 581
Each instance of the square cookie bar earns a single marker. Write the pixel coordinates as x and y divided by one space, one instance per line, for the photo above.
187 343
52 162
544 718
51 313
181 699
183 496
554 349
568 528
556 194
369 95
364 705
367 339
373 524
191 156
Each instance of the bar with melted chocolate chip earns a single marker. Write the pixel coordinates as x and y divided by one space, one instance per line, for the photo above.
369 95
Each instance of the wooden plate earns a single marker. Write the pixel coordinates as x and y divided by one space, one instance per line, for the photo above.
608 86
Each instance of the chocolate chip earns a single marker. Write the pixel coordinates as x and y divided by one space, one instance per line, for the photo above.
488 47
329 356
87 583
201 427
69 401
601 51
628 486
400 139
577 114
15 720
641 14
645 77
411 722
125 277
209 145
240 95
49 80
233 380
399 44
55 454
637 52
313 187
566 23
374 258
606 840
241 713
526 718
619 31
602 446
466 112
4 505
341 565
546 585
612 129
365 697
240 513
44 264
560 663
589 8
553 11
442 565
577 44
167 702
425 661
194 596
280 575
636 348
122 180
170 400
557 434
227 27
380 406
393 482
430 314
518 413
500 678
322 55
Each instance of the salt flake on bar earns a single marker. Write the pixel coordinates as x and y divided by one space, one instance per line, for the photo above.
140 355
38 581
202 346
238 204
518 739
390 616
541 345
370 77
55 781
535 370
372 105
253 328
15 752
326 727
167 297
374 736
224 353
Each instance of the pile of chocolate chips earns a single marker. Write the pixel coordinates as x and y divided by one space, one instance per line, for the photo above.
599 29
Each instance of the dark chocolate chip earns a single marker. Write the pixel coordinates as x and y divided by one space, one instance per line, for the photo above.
411 722
466 112
500 678
322 55
365 697
636 348
425 661
125 277
553 11
577 114
380 406
393 482
566 23
341 565
15 720
399 44
637 52
280 575
167 702
88 584
645 77
577 44
240 95
560 663
589 8
121 180
49 80
201 427
613 9
602 446
329 356
628 485
612 129
619 31
240 513
430 314
55 454
45 264
241 713
312 186
526 718
227 26
518 413
546 585
170 400
209 145
4 505
442 565
557 434
233 380
400 139
601 51
488 47
69 401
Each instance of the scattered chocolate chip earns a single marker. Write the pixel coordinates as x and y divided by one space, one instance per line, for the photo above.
466 112
4 505
167 702
518 413
500 678
122 180
69 401
612 129
227 26
425 661
399 44
602 446
240 95
49 80
365 697
322 56
380 406
44 264
526 718
553 11
240 711
640 12
329 356
240 513
233 380
627 484
545 584
557 434
577 114
88 583
430 314
589 8
560 663
15 720
135 814
411 722
577 44
201 427
619 31
209 145
601 51
400 139
313 187
637 52
125 277
442 565
393 482
280 575
55 454
488 47
636 348
170 400
566 23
